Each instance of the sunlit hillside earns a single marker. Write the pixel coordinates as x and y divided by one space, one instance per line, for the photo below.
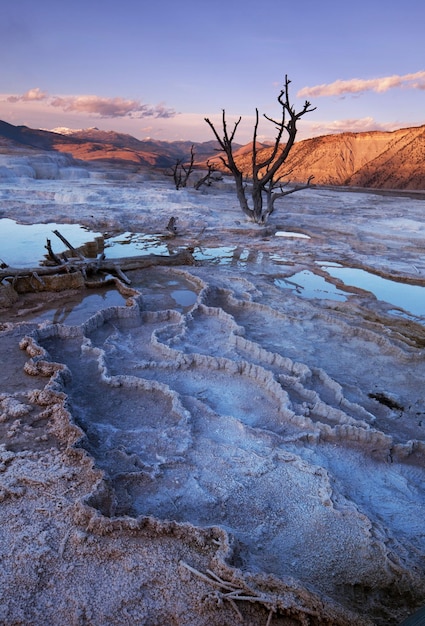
378 160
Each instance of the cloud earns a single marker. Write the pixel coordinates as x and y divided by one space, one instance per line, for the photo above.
30 96
355 125
358 85
111 107
96 105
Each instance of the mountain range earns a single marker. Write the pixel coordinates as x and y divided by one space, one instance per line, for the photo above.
92 144
373 159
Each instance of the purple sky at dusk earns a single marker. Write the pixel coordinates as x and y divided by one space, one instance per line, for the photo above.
158 68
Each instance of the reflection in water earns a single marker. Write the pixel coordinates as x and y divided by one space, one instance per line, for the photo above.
23 245
308 285
161 293
75 311
132 244
184 297
411 298
228 255
220 255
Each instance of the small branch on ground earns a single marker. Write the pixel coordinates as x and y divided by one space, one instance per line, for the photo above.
226 590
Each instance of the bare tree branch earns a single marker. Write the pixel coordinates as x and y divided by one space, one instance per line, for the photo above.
265 164
272 195
181 172
208 178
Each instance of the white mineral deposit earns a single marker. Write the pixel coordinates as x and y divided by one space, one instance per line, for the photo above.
239 440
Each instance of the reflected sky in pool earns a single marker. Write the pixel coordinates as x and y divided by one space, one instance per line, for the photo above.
23 245
74 310
410 298
309 285
133 244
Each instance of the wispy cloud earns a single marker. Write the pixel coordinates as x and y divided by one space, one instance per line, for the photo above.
96 105
111 107
30 96
358 85
355 125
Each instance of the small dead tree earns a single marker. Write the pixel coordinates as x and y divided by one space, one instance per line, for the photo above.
211 176
182 171
265 164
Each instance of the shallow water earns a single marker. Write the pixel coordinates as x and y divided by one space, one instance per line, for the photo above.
184 297
309 285
162 289
132 244
222 255
76 310
23 245
410 298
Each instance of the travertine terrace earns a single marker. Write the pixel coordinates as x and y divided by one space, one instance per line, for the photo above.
224 446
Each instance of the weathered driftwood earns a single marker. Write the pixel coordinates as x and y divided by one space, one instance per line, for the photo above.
101 265
68 245
63 273
73 273
172 226
54 257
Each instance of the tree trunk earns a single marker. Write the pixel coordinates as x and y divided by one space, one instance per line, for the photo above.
240 192
257 202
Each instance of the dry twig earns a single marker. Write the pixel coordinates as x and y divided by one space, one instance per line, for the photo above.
232 592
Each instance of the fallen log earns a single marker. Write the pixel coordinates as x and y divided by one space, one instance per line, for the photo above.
31 283
110 266
73 274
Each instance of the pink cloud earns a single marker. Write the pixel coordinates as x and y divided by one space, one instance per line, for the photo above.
110 107
350 126
30 96
358 85
96 105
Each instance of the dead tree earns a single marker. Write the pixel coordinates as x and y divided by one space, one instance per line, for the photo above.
209 177
265 164
181 171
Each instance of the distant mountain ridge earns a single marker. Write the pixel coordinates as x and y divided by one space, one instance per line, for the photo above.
373 159
93 144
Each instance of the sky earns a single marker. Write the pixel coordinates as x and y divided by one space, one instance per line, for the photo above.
157 68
